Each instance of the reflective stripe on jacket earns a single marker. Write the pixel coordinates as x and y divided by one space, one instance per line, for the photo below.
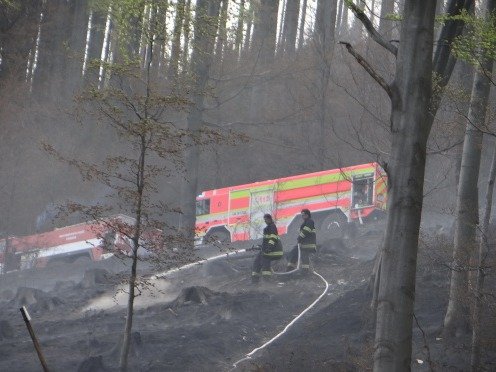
271 244
307 237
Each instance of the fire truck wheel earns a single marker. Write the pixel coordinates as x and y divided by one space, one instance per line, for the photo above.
82 260
56 262
333 225
219 237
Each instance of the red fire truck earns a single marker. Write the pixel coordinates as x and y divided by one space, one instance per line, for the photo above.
84 241
335 197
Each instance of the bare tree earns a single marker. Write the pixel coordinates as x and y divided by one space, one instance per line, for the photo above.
410 127
481 270
324 41
176 40
239 29
206 22
290 26
412 115
302 24
467 206
385 25
133 107
265 31
222 34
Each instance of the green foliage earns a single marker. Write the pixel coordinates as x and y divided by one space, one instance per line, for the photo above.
134 22
394 17
16 4
479 42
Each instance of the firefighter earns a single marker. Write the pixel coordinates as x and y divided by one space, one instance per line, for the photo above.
307 241
271 250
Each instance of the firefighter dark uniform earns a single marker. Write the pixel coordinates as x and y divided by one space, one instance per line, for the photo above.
308 243
271 250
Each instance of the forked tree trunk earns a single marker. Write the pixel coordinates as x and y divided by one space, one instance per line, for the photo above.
411 125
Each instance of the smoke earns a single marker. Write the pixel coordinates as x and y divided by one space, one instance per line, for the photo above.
44 221
155 292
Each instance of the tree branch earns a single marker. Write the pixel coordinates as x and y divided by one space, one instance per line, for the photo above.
379 79
376 36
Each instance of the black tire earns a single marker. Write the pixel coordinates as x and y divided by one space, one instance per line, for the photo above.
82 260
57 262
218 237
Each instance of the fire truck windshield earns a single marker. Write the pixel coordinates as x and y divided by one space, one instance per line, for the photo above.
202 207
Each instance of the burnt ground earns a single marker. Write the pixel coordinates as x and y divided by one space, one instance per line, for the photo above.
210 316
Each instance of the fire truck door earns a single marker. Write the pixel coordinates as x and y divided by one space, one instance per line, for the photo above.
362 192
261 202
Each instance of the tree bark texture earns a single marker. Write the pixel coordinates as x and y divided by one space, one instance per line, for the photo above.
206 23
176 40
481 271
324 40
301 38
265 30
411 124
290 26
386 25
140 182
456 320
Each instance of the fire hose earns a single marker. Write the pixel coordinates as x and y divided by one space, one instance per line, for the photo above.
288 326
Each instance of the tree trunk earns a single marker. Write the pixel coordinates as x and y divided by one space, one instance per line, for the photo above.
249 26
324 40
52 64
239 29
123 361
265 30
279 42
411 125
186 33
201 59
386 25
344 28
443 66
222 37
140 182
456 320
16 39
302 24
444 62
263 46
483 253
158 35
291 26
176 41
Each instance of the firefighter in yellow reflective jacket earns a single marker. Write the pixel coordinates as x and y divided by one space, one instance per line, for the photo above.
308 243
271 250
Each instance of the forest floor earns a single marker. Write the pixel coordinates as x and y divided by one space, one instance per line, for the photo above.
208 317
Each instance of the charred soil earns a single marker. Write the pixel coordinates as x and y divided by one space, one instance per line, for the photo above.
210 316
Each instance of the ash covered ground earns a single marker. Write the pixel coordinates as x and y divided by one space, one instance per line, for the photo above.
210 316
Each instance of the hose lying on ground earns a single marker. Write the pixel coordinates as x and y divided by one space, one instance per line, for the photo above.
254 351
225 255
